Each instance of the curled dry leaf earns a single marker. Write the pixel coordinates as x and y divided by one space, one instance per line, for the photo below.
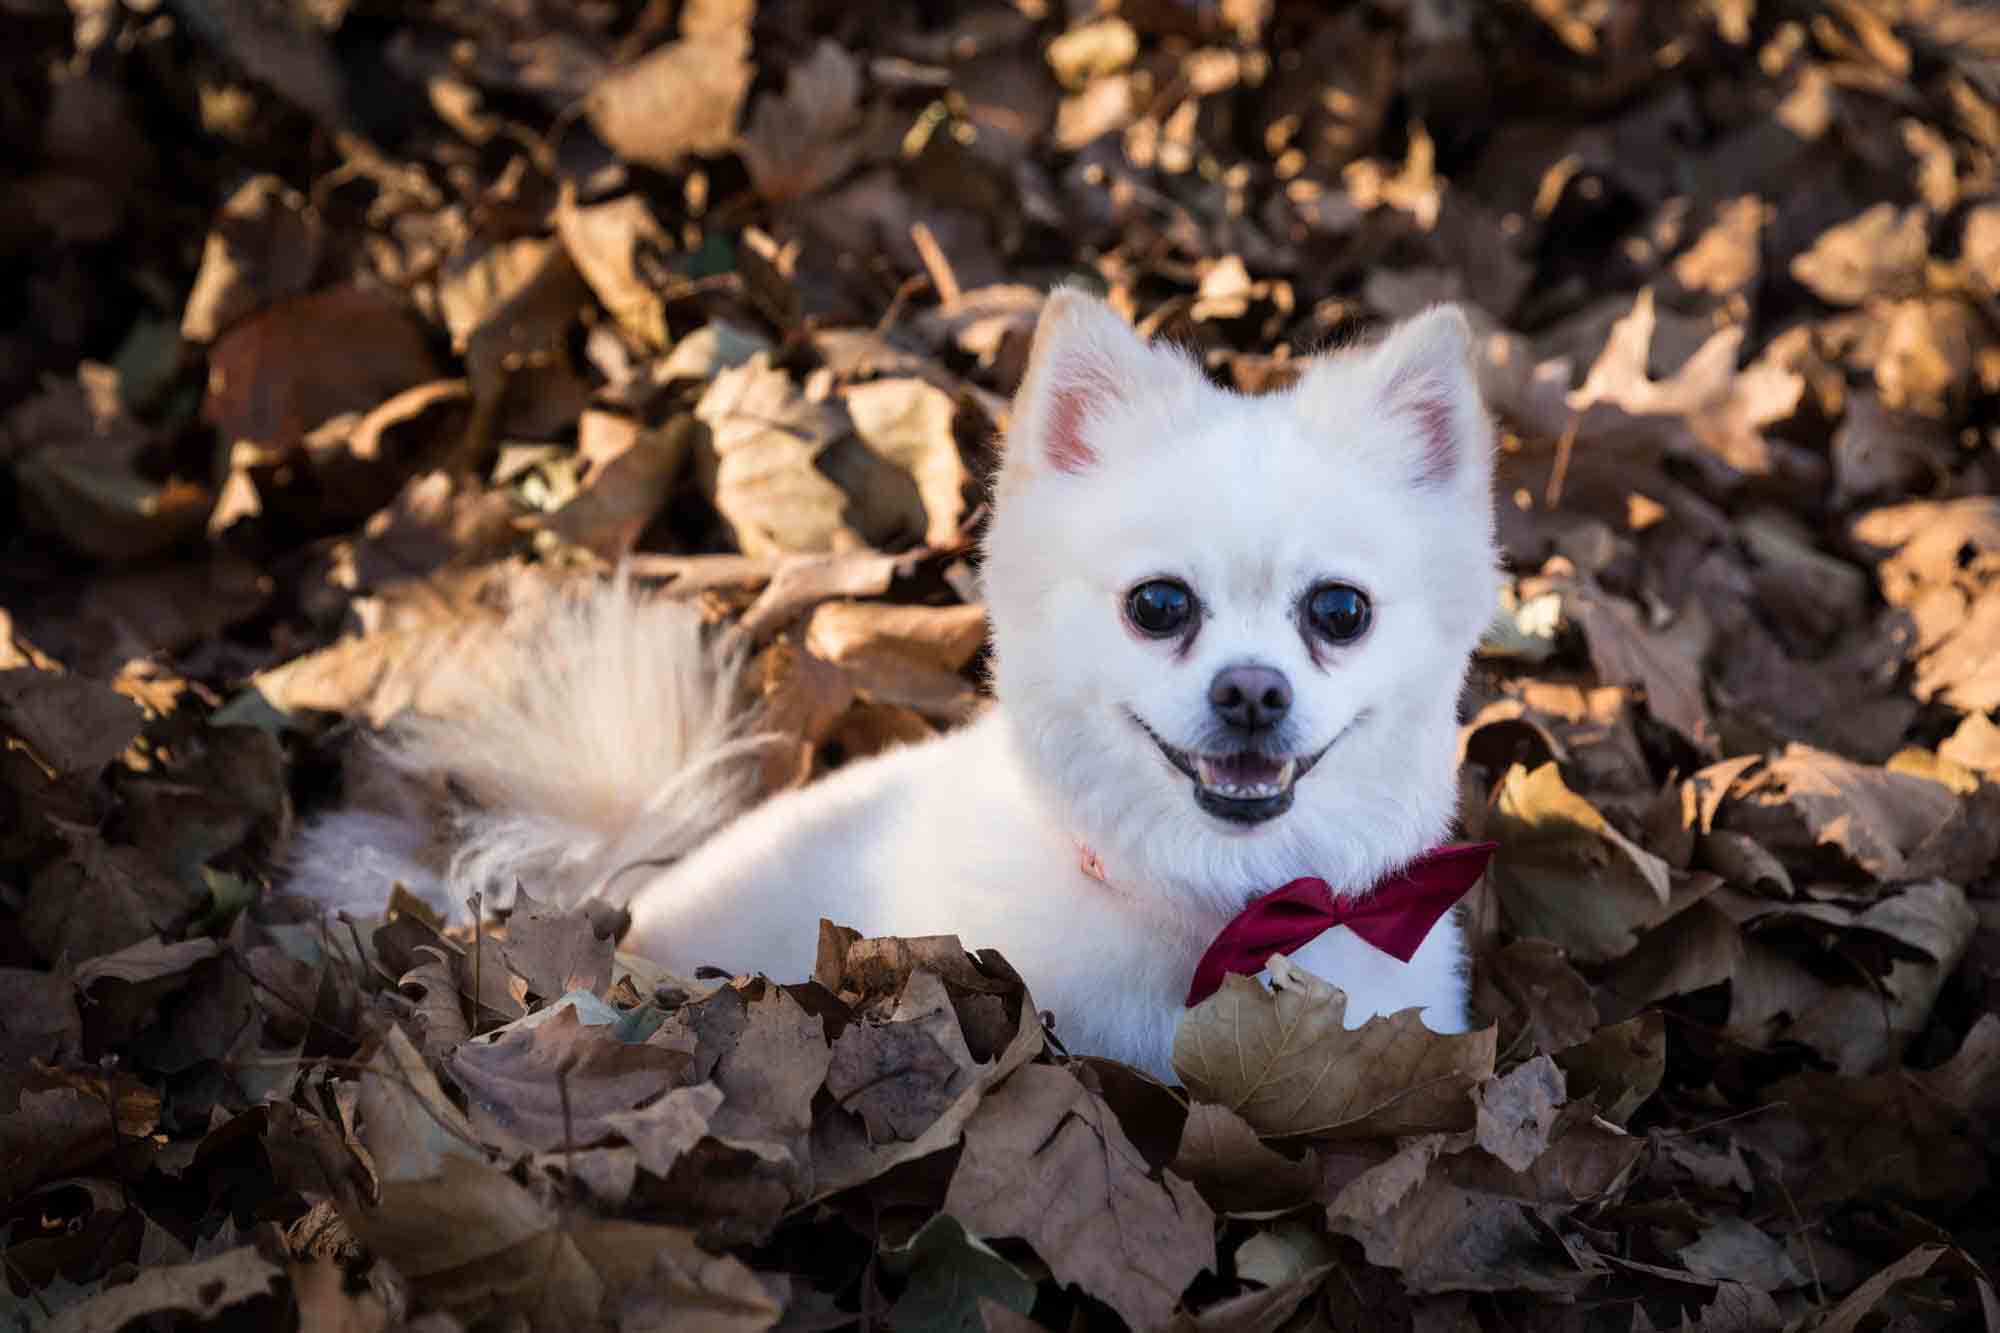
1813 808
1517 1110
1625 652
1234 1170
1944 570
262 248
204 1290
1284 1060
606 242
1732 1250
555 1083
928 995
1047 1162
1530 988
678 100
1620 1067
767 440
76 452
904 656
268 385
908 424
1881 252
1715 413
803 140
38 1018
101 898
1440 1237
667 1129
1565 874
72 724
557 951
1856 1028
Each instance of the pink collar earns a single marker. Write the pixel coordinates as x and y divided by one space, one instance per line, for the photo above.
1395 915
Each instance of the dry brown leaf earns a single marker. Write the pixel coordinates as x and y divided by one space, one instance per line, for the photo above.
101 898
73 725
1517 1111
549 1082
607 242
440 1014
764 478
1625 652
799 583
149 960
1975 744
850 634
666 1130
1730 1249
1878 253
802 698
901 981
1440 1237
769 1077
1565 874
1284 1060
50 1132
1721 410
1854 1312
1045 1161
1530 989
801 141
907 423
1727 256
900 1076
1878 452
262 248
1883 1131
515 306
38 1018
557 951
686 1286
204 1290
1857 1028
677 100
1821 812
1927 355
1233 1169
76 452
269 384
1696 948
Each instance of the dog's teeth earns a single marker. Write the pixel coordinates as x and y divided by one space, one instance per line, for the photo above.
1209 772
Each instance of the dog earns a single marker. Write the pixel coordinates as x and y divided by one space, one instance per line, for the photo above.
1229 638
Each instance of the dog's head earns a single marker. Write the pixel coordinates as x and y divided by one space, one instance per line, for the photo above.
1230 632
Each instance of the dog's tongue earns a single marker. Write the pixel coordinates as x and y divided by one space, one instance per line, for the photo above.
1247 769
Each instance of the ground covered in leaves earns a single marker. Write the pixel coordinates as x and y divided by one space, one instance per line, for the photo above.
336 328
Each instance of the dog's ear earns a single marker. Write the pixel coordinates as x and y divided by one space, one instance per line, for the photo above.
1422 374
1418 381
1085 364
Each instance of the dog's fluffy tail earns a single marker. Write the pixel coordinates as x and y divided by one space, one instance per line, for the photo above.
600 735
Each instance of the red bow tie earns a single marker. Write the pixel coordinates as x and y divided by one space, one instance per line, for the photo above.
1394 916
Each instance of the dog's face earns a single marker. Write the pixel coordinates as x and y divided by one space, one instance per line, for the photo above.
1230 632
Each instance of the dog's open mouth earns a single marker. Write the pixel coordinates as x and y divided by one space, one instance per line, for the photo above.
1242 786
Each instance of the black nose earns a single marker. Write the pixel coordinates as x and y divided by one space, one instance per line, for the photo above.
1250 697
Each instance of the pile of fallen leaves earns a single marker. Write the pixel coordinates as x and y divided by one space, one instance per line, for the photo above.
338 328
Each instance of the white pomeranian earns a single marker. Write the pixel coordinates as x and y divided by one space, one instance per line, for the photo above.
1230 635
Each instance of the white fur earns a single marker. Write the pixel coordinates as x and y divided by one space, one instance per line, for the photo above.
607 749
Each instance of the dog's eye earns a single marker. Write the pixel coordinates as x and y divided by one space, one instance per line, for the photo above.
1338 612
1160 607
